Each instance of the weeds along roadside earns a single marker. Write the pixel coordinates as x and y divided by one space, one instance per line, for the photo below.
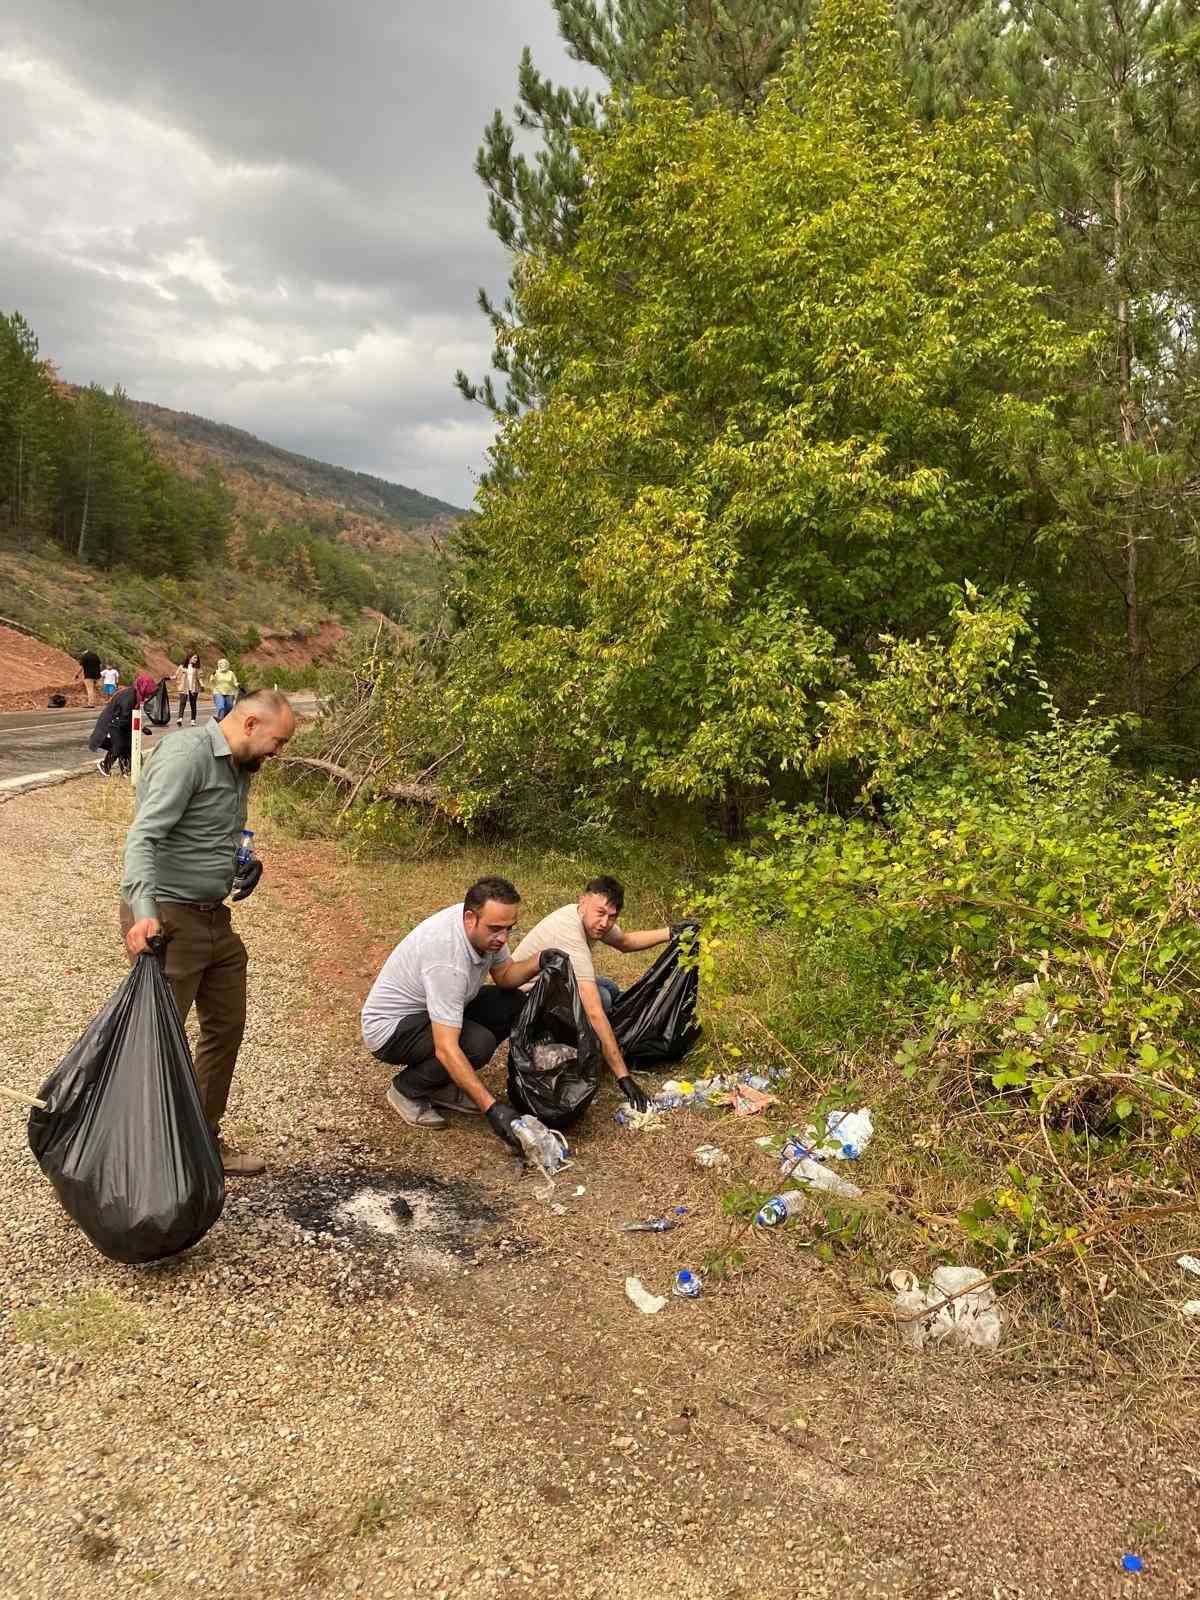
1004 968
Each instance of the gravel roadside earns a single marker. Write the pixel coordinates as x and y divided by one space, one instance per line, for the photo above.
390 1370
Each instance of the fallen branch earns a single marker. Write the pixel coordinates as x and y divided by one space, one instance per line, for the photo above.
416 794
21 1099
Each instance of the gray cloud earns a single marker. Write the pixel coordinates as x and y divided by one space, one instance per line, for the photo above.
265 214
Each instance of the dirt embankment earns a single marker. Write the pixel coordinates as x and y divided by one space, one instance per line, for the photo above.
30 672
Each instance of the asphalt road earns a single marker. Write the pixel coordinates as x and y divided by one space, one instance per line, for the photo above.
39 741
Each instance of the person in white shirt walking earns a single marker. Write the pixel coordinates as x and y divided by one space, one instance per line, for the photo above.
110 677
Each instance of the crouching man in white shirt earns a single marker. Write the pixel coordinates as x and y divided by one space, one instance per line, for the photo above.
429 1014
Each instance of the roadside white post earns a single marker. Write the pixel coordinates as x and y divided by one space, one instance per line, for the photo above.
135 760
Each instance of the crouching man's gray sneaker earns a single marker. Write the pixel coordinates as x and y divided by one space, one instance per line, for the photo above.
417 1113
452 1098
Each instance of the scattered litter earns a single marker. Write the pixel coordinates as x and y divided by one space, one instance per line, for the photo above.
1189 1264
650 1225
642 1298
580 1188
747 1101
816 1176
1191 1308
847 1135
757 1080
544 1149
639 1121
970 1319
779 1208
688 1285
558 1210
1132 1563
711 1155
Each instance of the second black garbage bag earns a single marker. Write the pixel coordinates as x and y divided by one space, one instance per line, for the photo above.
554 1057
654 1021
123 1138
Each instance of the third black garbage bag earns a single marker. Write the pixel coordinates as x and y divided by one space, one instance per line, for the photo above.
555 1085
123 1137
655 1019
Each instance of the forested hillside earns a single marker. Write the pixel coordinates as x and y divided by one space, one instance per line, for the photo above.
139 491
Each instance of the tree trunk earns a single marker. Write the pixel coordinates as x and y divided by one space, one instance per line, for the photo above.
1135 643
87 495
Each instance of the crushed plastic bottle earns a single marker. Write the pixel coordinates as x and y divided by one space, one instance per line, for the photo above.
544 1148
650 1225
779 1208
687 1285
245 850
817 1176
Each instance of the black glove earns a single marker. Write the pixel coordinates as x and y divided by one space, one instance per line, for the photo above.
686 926
500 1119
633 1092
245 880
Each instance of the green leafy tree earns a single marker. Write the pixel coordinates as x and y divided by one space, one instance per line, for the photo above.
799 382
31 417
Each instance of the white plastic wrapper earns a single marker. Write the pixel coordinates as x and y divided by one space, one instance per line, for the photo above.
971 1320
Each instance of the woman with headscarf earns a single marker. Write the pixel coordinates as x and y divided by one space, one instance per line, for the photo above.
224 686
188 682
113 732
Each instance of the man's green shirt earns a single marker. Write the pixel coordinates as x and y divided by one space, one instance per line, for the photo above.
191 809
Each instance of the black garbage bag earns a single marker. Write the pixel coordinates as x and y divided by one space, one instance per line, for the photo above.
554 1057
157 707
655 1019
123 1138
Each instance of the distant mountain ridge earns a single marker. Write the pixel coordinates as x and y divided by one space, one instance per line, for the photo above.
197 441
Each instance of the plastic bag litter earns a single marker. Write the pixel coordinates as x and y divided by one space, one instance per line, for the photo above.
642 1298
1189 1264
1191 1308
123 1137
711 1155
847 1135
655 1019
930 1316
553 1021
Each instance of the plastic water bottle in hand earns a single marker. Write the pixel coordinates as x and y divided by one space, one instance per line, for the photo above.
245 850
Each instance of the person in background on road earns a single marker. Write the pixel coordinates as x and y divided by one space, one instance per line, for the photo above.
429 1013
110 677
113 732
89 671
224 686
179 866
575 929
187 681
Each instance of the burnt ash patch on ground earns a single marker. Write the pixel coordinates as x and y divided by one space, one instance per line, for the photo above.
366 1231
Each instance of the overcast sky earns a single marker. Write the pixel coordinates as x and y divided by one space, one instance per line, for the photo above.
264 210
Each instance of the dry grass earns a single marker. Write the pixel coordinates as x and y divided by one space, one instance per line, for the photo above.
90 1321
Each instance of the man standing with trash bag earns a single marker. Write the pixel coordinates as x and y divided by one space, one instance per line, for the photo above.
574 929
429 1013
179 866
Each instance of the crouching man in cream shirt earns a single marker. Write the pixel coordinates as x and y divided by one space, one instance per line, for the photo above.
574 929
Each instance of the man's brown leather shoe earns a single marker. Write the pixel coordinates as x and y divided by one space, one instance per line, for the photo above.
237 1164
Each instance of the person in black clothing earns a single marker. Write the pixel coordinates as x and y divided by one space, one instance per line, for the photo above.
113 732
89 667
